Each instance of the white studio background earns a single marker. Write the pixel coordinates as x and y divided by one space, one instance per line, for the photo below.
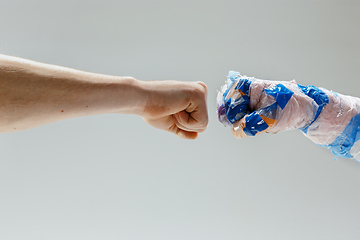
114 177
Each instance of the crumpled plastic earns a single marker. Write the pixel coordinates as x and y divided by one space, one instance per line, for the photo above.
251 106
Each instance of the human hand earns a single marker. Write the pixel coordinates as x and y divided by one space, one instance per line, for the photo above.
251 106
177 107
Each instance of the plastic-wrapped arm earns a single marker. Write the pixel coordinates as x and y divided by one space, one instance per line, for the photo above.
251 106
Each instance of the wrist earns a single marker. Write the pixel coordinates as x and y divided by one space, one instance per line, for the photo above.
125 95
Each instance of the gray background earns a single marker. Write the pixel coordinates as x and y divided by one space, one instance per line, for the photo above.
114 177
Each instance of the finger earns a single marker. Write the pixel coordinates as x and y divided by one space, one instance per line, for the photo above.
255 122
187 122
168 124
161 123
237 129
179 119
203 85
250 125
182 133
235 101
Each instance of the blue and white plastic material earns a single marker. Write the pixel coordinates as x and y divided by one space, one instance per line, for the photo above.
251 106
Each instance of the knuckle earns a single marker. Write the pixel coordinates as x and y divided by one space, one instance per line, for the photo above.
199 91
202 84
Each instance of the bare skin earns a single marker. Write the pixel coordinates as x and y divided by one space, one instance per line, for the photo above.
33 94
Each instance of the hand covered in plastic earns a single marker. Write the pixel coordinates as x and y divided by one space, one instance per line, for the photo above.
251 106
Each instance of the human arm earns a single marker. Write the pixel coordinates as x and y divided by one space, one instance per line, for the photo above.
33 94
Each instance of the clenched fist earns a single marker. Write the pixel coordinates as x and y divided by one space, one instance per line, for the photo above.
251 106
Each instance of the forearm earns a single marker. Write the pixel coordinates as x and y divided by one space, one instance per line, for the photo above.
34 94
334 118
